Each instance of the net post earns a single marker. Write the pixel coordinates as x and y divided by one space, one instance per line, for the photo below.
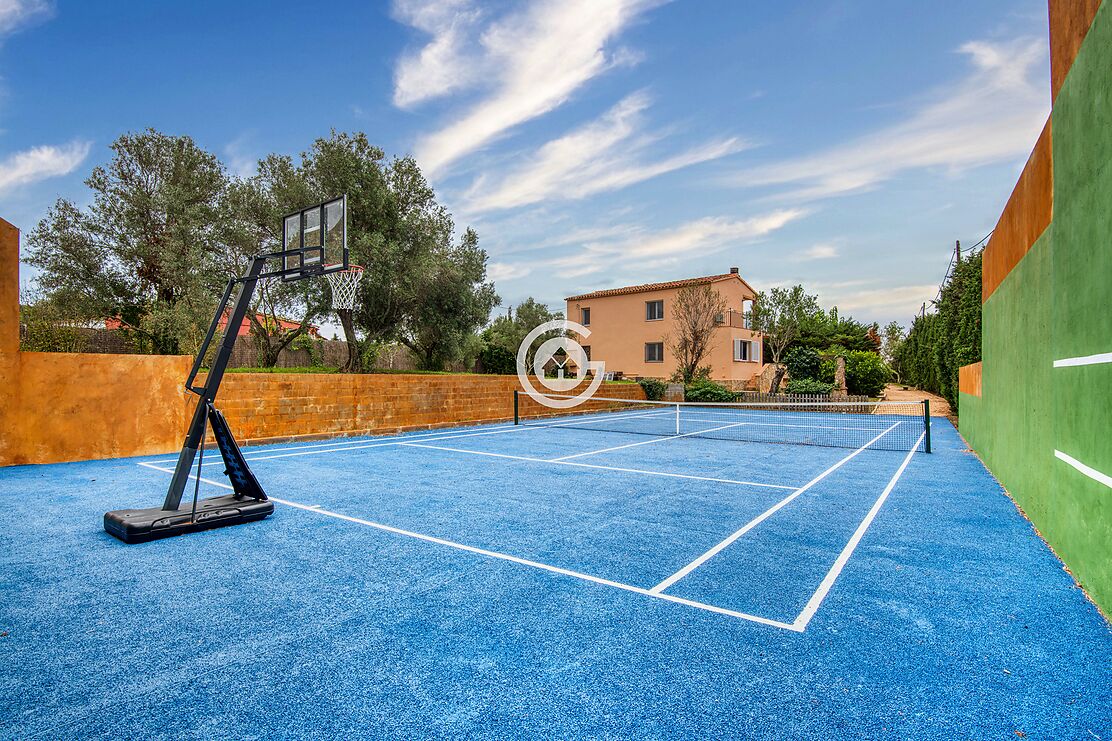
517 415
677 419
927 423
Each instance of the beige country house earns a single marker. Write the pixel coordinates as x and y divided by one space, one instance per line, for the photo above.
631 328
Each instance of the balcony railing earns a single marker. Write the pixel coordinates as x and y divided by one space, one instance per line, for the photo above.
731 318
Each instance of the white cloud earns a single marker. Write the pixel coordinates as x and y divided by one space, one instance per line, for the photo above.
497 271
821 251
528 62
606 154
15 14
993 115
694 238
443 65
241 161
40 163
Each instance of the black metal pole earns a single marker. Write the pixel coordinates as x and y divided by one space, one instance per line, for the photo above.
199 424
927 423
517 416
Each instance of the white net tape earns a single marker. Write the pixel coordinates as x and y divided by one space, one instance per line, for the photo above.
344 284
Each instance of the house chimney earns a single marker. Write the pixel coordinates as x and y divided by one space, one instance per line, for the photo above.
734 271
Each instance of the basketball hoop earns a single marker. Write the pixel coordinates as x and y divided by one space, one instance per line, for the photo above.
344 284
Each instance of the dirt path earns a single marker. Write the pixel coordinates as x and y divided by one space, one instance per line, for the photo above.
939 406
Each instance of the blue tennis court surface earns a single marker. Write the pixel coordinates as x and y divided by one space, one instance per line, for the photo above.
534 581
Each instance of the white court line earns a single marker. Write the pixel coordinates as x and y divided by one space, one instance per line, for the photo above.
812 605
443 435
514 559
1092 473
763 516
646 442
1104 357
601 468
340 444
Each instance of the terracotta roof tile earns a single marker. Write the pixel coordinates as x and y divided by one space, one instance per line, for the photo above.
655 286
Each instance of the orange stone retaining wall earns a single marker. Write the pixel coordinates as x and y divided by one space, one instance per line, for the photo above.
269 407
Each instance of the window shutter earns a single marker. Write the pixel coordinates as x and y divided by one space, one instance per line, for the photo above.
737 350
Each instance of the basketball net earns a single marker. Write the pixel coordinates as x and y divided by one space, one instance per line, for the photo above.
344 285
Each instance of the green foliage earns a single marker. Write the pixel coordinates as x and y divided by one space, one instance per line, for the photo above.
866 373
312 346
941 343
498 360
781 315
803 363
508 331
654 388
708 391
148 249
808 386
293 369
45 327
823 330
891 339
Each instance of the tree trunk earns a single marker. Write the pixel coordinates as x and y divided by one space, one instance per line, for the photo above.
776 379
346 322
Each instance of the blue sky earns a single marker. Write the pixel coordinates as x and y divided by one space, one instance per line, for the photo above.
844 144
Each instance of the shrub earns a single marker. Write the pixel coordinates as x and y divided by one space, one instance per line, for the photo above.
708 391
654 388
803 363
808 386
866 373
497 359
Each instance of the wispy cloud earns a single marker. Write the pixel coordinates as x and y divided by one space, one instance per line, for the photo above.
445 64
993 115
607 154
241 159
497 271
821 251
526 63
40 163
16 14
670 246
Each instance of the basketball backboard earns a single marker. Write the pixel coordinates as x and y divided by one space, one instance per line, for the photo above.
314 240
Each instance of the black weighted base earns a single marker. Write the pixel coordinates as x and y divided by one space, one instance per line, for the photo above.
142 525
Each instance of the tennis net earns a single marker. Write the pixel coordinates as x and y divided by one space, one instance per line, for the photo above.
842 424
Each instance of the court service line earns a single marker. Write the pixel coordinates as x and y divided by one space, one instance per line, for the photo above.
645 442
514 559
577 464
813 604
1099 358
1092 473
715 550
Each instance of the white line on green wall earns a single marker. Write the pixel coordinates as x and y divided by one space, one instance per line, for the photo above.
1092 473
1104 357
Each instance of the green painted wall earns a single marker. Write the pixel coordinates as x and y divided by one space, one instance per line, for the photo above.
1057 303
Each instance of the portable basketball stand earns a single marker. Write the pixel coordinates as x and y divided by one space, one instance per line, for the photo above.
247 502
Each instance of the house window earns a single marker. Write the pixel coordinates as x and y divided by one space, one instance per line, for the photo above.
654 352
587 351
654 310
747 351
585 317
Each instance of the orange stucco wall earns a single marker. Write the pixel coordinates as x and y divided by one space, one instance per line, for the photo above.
969 379
619 332
274 406
76 406
1069 22
1026 216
